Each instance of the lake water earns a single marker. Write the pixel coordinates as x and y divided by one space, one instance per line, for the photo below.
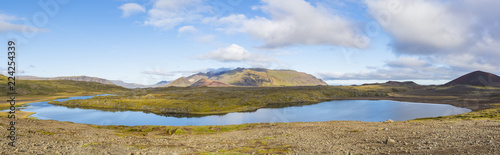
362 110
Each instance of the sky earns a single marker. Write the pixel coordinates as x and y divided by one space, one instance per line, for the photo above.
341 42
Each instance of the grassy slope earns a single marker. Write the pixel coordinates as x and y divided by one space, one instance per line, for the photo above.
269 78
222 100
43 90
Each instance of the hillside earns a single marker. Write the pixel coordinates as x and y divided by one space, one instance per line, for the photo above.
477 78
180 82
134 85
72 78
40 90
208 83
95 79
253 77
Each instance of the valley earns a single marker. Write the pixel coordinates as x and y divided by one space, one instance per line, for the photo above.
473 132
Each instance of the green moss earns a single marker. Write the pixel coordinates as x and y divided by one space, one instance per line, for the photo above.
89 144
46 132
178 130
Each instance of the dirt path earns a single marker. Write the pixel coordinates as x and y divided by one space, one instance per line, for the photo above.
334 137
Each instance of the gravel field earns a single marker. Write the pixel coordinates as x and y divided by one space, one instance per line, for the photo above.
333 137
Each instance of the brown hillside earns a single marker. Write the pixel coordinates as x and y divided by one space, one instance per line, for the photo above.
208 83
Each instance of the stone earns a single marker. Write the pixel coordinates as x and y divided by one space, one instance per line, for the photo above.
388 121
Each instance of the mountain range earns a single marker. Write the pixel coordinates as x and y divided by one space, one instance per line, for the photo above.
94 79
264 77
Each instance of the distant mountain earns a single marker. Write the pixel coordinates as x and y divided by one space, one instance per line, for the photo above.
38 86
477 78
161 83
94 79
252 77
128 85
410 84
180 82
208 83
134 85
71 78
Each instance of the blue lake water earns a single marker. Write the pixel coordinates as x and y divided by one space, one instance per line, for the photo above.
362 110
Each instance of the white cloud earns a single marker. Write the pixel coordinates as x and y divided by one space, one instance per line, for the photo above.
187 29
228 54
167 14
404 62
427 73
295 22
236 53
6 24
131 8
158 72
464 35
421 22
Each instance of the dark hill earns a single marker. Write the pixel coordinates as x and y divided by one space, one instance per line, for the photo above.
477 78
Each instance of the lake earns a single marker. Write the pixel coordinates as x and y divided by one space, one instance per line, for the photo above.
362 110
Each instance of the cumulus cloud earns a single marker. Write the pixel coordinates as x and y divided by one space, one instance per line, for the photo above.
464 35
131 8
7 24
294 22
236 53
167 14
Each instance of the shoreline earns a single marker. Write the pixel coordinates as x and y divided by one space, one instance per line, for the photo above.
331 137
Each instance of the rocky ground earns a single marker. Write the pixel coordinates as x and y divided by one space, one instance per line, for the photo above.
333 137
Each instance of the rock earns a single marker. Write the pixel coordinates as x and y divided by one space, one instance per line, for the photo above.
388 121
389 140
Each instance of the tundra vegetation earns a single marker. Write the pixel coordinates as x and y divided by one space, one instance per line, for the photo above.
216 100
42 90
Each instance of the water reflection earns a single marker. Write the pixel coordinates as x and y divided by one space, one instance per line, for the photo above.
362 110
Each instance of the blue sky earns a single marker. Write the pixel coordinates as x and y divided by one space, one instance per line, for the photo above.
341 42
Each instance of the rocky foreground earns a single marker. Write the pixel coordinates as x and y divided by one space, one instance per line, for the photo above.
334 137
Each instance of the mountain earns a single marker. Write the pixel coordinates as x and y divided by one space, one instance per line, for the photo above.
134 85
252 77
180 82
161 83
71 78
94 79
128 85
409 84
208 83
43 86
477 78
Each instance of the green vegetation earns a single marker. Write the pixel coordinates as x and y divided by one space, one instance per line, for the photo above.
206 100
89 144
46 132
177 130
43 90
19 114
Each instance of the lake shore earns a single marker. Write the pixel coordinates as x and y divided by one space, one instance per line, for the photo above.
475 132
217 101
